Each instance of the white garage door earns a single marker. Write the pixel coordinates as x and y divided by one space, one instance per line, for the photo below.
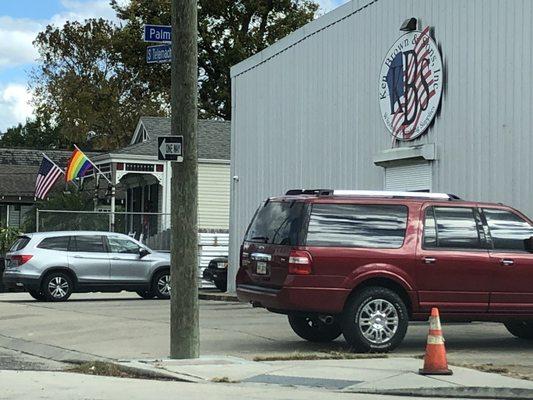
409 177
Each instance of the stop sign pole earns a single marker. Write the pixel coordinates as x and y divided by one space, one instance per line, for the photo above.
184 325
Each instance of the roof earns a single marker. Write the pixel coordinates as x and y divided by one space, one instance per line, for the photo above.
214 138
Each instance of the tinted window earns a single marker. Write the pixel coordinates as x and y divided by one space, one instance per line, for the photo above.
20 243
507 229
451 227
354 225
124 246
277 223
89 244
55 243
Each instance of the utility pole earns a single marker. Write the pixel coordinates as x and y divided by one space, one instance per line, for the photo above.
184 325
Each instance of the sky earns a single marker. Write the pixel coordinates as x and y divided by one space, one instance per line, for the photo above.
20 22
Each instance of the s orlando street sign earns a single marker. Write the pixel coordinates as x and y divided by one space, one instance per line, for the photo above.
410 85
159 54
157 33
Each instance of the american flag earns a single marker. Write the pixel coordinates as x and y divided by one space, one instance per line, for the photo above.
48 174
416 71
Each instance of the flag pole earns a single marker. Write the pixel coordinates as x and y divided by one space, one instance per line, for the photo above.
96 168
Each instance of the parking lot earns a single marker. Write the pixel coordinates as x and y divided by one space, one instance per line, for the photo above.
122 326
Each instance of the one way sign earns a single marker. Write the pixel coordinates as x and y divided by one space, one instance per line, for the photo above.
170 148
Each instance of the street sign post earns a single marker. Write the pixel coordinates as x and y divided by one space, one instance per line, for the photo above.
158 33
159 54
170 148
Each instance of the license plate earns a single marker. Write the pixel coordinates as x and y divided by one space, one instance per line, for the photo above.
261 268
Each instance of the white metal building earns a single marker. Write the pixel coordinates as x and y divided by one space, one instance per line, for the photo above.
311 110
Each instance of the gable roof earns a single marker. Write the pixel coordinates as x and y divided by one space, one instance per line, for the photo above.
214 138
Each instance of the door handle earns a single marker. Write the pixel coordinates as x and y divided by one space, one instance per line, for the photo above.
429 260
507 262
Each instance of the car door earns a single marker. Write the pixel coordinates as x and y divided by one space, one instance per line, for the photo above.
512 284
88 258
126 263
454 271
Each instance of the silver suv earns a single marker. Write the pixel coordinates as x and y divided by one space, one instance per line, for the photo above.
53 265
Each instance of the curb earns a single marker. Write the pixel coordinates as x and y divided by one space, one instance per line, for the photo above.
230 297
465 392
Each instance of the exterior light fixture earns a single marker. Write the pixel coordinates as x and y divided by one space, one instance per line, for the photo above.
409 24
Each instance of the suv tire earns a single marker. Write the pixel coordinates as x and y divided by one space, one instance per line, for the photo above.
312 329
374 320
520 329
147 295
161 284
57 286
221 285
37 294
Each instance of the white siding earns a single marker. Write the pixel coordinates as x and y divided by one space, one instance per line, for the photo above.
213 196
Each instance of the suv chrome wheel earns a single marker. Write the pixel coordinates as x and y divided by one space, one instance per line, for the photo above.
57 286
375 319
161 285
378 321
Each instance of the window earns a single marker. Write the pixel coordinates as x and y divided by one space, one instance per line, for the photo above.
55 243
277 223
20 243
354 225
507 229
123 246
451 227
89 244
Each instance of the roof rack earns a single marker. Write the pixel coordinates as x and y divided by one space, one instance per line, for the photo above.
372 193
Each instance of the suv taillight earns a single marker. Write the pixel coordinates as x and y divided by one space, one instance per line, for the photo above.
21 259
300 263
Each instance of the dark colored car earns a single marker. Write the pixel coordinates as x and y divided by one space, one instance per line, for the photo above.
363 264
217 272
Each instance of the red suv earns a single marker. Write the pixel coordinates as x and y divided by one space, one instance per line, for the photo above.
364 263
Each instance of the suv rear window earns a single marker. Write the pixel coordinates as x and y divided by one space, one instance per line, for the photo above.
357 225
55 243
278 223
20 243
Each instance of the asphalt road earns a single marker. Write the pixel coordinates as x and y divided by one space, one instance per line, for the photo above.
123 326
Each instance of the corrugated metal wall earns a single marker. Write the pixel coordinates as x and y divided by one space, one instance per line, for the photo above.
213 196
306 110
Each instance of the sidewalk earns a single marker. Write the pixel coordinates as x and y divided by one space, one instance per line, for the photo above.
384 376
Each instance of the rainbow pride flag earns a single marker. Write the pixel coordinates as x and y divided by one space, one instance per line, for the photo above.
77 166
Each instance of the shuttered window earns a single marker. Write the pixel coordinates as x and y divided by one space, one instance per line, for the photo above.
409 177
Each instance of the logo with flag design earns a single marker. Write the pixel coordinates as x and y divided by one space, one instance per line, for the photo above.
410 85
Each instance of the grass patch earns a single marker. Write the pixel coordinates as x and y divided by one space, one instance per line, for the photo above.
223 379
333 355
102 368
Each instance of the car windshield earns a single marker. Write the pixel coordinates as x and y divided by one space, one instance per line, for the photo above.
277 223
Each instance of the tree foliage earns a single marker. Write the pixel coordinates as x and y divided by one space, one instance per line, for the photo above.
84 87
93 76
229 32
37 133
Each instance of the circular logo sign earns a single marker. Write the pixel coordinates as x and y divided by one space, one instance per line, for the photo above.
410 85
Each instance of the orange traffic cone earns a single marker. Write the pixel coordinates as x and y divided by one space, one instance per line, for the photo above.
435 362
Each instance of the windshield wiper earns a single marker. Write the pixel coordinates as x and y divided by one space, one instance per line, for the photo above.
263 238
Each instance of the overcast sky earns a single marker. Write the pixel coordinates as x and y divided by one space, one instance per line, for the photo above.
20 21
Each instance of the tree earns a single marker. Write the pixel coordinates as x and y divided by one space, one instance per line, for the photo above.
37 133
83 86
229 32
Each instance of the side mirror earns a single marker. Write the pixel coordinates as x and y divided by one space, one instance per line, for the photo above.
143 252
528 244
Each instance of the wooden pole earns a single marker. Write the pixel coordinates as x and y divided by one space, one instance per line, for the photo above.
184 325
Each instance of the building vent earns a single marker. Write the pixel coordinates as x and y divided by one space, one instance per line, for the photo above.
409 177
